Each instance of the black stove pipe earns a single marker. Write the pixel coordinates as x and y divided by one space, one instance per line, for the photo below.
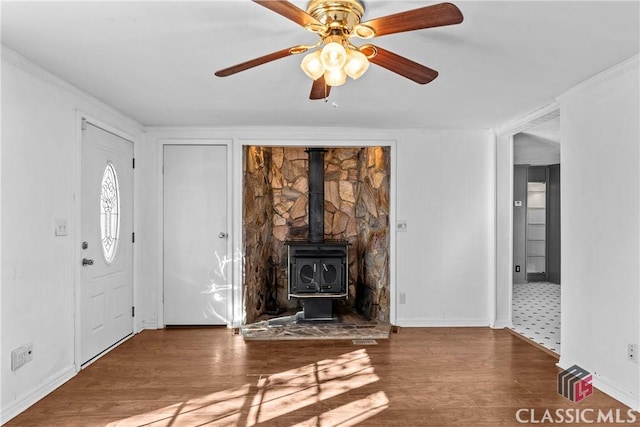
316 194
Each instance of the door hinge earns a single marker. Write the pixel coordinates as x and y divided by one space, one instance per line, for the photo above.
133 237
133 312
83 124
133 163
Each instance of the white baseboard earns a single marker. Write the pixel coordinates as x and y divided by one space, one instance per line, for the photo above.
608 387
502 324
147 325
441 323
23 402
614 390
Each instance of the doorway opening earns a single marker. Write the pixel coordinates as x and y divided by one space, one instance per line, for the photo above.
536 234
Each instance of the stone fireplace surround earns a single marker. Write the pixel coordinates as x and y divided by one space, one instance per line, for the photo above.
275 210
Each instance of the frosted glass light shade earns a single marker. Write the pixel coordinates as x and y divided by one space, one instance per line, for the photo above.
312 65
335 78
356 65
333 56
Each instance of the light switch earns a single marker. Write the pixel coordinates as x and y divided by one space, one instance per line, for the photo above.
61 226
517 203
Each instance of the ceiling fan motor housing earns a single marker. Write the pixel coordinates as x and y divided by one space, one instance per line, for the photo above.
337 15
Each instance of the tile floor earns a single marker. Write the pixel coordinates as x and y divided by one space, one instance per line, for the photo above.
536 313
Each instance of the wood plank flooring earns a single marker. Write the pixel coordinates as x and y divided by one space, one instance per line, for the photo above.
419 377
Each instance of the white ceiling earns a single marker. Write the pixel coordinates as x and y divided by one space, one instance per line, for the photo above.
154 61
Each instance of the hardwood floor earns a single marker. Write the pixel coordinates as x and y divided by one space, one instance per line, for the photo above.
419 377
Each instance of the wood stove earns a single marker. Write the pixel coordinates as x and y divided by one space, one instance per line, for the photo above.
317 268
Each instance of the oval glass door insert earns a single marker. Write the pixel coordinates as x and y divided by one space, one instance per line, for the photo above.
109 213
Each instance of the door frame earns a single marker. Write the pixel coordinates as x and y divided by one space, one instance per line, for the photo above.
503 285
228 143
75 233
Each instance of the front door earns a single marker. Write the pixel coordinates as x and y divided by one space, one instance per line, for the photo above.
106 289
195 236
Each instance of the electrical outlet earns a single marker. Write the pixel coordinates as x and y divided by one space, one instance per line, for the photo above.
402 298
517 269
21 355
401 225
632 352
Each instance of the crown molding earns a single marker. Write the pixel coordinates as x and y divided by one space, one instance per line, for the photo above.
629 65
546 113
552 110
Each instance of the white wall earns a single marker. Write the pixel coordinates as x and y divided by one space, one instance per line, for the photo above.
600 154
444 188
445 259
39 178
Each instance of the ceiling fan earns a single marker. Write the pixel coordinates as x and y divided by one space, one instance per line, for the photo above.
336 22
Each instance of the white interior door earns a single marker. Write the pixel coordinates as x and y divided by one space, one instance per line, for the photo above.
195 235
106 289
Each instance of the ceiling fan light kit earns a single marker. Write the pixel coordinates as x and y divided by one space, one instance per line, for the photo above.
333 56
339 57
336 22
335 78
335 63
312 65
357 64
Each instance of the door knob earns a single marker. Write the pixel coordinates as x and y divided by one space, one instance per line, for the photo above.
87 262
222 235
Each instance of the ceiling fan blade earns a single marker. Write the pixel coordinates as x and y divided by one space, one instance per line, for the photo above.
290 11
435 15
320 90
259 61
399 64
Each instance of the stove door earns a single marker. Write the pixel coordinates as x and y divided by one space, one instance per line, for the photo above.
331 272
305 276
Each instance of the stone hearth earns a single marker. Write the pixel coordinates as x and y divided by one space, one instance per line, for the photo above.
294 328
356 209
